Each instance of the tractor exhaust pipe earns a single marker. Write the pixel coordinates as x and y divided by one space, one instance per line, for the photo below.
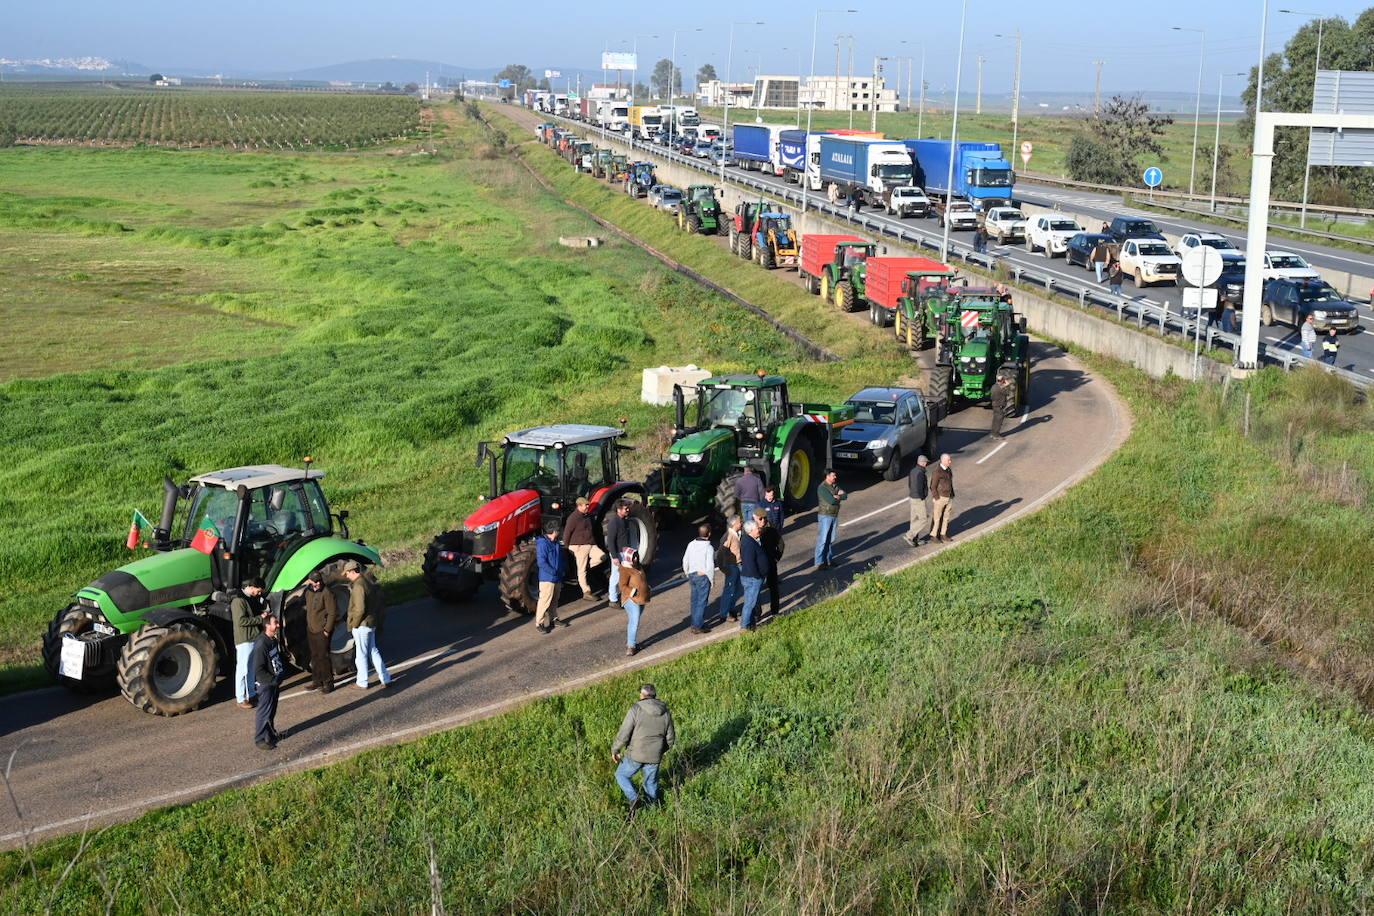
162 534
679 412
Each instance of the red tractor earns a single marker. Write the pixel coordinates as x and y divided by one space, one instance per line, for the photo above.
536 479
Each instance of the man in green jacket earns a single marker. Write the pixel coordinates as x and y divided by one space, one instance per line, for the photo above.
245 610
366 608
644 736
321 615
828 497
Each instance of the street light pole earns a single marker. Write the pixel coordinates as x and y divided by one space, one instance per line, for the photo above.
1197 108
873 94
954 132
849 86
1015 94
806 160
725 128
1307 166
921 111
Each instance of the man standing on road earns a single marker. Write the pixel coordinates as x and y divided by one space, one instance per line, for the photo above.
829 496
917 489
770 537
699 566
1000 392
942 496
1115 277
645 736
267 672
366 613
1099 257
619 535
727 561
749 492
980 239
321 614
548 558
580 540
1308 335
753 571
1331 347
245 610
772 507
634 585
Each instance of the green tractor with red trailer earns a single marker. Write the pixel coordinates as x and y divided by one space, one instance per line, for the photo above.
535 477
742 421
832 265
159 628
924 298
700 211
980 339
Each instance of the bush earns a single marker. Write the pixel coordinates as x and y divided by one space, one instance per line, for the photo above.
1092 162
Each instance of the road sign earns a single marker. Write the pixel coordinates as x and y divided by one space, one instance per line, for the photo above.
969 319
1201 265
1153 177
1026 150
552 74
503 84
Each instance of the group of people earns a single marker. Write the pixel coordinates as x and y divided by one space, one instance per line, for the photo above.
258 661
1307 341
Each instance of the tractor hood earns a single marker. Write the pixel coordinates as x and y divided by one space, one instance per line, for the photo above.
500 509
974 349
162 578
699 443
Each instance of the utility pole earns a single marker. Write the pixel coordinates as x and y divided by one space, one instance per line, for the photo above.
954 129
849 86
1097 87
873 95
978 93
921 112
838 39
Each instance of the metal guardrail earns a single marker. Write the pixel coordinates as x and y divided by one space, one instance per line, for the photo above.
1126 310
1280 227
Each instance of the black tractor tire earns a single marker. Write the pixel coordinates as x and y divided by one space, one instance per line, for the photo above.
768 260
845 298
932 446
519 579
722 227
725 502
942 385
76 620
746 246
799 489
694 224
734 243
894 466
1023 379
446 590
168 671
296 642
648 532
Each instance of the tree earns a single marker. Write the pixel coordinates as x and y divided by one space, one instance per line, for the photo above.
706 74
659 79
519 75
8 135
1120 134
155 78
412 88
544 84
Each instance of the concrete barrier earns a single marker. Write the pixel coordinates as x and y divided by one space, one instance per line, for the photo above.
657 385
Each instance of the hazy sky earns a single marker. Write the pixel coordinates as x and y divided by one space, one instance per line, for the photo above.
1061 38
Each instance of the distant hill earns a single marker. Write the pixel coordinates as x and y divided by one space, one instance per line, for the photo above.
69 67
383 69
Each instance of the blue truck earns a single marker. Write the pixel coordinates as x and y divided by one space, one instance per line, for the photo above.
981 175
792 154
756 147
863 170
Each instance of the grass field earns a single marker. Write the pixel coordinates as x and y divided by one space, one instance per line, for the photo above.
379 310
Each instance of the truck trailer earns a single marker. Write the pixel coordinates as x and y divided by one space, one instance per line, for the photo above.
862 169
884 284
756 147
981 175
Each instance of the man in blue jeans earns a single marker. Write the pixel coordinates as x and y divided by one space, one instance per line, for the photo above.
366 610
753 571
749 492
245 610
699 566
645 736
829 496
727 560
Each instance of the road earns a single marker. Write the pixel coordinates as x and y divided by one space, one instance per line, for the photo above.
81 761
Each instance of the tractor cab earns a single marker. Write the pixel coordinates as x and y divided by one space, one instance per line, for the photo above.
849 255
780 224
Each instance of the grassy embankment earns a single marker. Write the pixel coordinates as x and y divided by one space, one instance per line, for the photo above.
1064 716
175 312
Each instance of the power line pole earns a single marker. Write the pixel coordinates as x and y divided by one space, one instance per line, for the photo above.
978 94
1097 87
849 87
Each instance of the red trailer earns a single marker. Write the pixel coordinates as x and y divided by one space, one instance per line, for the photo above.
883 283
816 252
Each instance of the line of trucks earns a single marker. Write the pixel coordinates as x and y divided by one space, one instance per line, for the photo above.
646 123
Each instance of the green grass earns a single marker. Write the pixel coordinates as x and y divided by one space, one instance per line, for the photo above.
1055 718
382 316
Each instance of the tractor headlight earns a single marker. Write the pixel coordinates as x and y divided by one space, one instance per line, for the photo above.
483 529
695 459
876 445
675 457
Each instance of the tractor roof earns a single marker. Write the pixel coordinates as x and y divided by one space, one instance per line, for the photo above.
254 477
742 381
562 434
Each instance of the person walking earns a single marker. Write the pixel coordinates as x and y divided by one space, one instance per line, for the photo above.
829 496
753 571
1228 316
245 611
917 489
366 613
580 540
635 594
980 239
1098 258
1331 347
1308 336
1115 276
749 492
620 534
699 566
548 560
727 561
772 508
942 497
1001 391
770 537
321 615
267 674
645 736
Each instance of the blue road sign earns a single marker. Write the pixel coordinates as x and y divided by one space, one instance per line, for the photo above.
505 84
1153 177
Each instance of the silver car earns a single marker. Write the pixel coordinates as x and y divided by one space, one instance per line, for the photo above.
891 426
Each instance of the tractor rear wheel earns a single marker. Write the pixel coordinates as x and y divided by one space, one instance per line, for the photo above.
343 660
519 582
726 503
746 246
942 385
77 621
844 296
449 589
167 671
694 224
825 286
768 259
734 243
799 490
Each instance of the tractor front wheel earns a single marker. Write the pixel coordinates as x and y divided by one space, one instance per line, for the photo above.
799 490
167 671
825 286
449 589
693 224
768 259
942 385
519 579
343 659
77 621
726 503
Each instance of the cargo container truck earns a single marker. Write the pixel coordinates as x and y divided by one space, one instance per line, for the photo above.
862 169
756 147
646 122
981 175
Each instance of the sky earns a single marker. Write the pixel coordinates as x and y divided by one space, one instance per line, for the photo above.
1060 39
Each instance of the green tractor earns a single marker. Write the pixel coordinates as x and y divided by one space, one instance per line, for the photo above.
742 420
159 628
842 280
924 300
601 163
980 339
700 211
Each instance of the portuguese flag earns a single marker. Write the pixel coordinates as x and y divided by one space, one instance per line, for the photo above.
137 530
206 538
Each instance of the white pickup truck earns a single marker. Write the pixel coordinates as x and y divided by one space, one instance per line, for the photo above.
1051 234
1005 224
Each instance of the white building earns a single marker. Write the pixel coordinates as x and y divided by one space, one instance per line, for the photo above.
859 93
711 94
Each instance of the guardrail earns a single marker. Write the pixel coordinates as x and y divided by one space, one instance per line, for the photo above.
1125 309
1295 230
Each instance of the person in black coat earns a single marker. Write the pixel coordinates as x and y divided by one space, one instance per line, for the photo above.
267 671
770 538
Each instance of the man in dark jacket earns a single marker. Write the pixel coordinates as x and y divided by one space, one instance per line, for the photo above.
770 538
245 611
917 489
753 571
321 615
580 540
366 613
749 492
772 507
267 672
645 736
942 497
549 560
1001 390
619 535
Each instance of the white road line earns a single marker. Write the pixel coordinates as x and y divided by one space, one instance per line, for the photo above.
1001 445
868 515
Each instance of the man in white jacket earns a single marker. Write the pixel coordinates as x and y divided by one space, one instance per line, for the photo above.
699 566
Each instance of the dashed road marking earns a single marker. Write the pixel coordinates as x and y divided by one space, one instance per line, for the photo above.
868 515
1000 446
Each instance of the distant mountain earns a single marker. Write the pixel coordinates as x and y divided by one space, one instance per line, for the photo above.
60 67
381 70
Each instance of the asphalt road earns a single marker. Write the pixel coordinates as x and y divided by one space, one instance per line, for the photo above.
79 760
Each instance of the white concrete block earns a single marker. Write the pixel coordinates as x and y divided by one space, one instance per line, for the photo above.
659 382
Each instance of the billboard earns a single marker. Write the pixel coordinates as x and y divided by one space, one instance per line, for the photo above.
1342 92
619 60
552 74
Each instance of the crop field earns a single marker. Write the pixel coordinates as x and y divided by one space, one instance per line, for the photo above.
186 118
176 312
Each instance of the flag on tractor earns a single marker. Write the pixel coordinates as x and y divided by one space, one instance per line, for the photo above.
136 531
206 538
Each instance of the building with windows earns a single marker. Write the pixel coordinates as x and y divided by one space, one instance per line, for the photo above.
775 91
843 93
711 94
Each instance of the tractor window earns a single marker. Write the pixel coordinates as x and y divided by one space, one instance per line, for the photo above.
854 256
535 468
319 509
292 518
723 407
771 411
216 506
586 463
